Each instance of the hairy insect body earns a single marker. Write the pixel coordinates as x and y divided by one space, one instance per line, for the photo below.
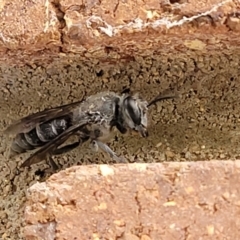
38 136
98 109
94 118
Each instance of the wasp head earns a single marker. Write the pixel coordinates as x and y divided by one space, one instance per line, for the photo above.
133 111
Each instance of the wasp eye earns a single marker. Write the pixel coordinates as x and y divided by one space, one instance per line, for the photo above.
132 110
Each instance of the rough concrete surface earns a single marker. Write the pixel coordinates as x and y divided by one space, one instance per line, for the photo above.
162 201
39 68
202 125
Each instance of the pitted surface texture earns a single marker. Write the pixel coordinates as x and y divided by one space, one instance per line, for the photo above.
56 52
203 124
162 201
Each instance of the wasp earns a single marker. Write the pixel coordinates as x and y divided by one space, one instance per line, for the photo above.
92 119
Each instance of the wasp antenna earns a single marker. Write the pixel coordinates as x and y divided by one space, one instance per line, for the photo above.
162 97
126 90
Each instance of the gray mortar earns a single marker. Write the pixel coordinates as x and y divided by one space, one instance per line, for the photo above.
203 124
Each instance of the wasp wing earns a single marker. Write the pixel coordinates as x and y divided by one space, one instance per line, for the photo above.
51 146
29 122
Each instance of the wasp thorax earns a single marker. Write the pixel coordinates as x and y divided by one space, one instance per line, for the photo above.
134 111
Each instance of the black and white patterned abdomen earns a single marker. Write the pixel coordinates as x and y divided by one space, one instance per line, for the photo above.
38 136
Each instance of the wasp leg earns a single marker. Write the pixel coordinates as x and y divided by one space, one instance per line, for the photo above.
70 147
53 165
108 150
66 148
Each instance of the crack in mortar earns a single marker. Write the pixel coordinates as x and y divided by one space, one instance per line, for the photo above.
138 23
60 17
186 232
139 210
115 8
138 203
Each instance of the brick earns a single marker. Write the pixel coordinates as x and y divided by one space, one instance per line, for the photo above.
114 30
195 200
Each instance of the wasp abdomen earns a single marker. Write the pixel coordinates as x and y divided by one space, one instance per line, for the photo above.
20 144
39 136
48 131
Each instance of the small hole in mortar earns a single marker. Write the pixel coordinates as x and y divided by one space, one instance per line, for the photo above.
176 1
100 73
